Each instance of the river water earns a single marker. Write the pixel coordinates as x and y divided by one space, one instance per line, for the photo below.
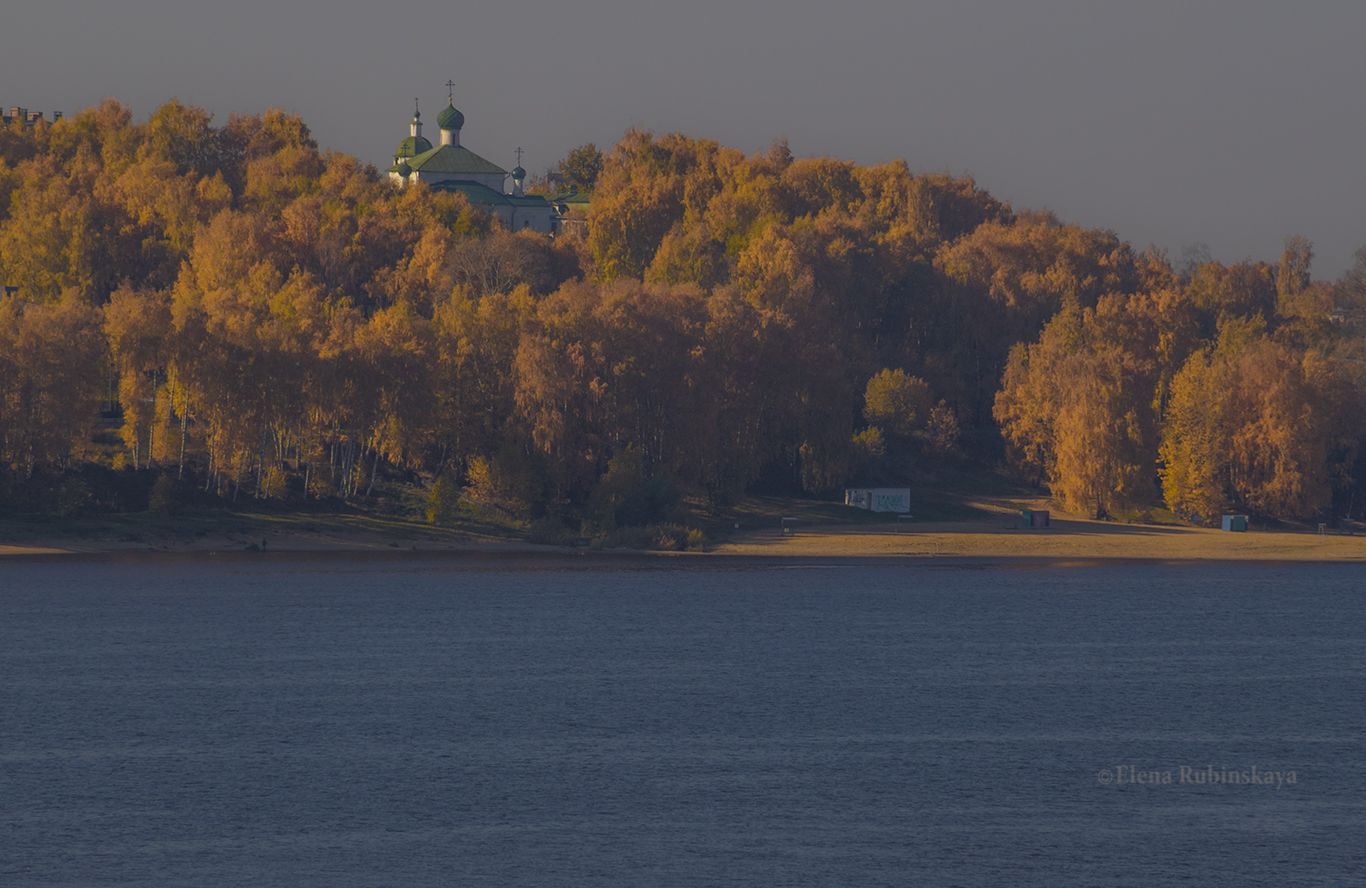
341 722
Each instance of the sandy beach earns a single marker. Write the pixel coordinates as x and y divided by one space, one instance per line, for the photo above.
1066 539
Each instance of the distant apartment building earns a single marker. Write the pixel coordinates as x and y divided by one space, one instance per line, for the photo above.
25 116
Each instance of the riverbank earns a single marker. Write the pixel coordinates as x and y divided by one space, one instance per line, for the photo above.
219 531
996 534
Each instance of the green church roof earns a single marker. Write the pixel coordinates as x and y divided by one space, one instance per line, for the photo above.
412 146
452 160
481 195
450 118
577 198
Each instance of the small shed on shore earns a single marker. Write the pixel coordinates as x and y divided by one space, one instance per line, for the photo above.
879 499
1036 518
1234 523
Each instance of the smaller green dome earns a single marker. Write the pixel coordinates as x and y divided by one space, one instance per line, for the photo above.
412 147
450 119
403 169
518 173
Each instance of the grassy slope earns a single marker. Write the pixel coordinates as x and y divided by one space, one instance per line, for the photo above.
225 528
974 513
961 496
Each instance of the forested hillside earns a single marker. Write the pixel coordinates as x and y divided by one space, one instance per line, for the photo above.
239 311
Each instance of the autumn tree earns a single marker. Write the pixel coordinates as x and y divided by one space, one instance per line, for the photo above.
897 403
1254 424
1077 408
137 326
50 360
1195 441
580 168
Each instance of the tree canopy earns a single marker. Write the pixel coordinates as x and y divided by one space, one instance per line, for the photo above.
266 318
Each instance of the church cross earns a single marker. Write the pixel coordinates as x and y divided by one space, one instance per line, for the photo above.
450 91
519 155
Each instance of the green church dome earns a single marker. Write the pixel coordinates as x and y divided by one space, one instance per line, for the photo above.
518 173
412 147
450 119
403 169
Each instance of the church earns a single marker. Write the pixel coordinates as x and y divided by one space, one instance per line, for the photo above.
450 166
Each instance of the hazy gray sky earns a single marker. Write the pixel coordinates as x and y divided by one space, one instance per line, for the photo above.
1232 122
